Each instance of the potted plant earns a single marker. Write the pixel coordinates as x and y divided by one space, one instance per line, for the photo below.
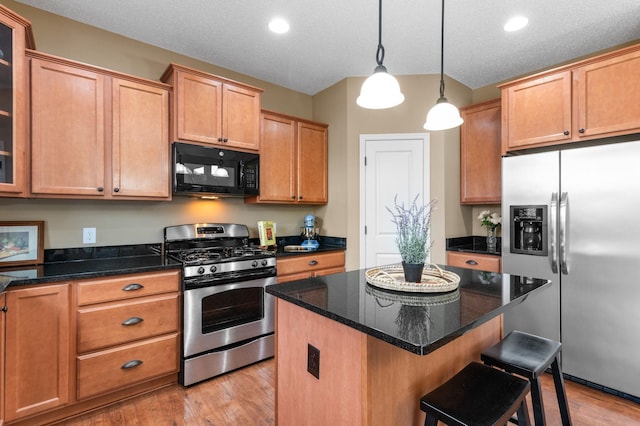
413 226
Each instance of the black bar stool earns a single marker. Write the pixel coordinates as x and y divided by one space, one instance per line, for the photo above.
478 395
529 356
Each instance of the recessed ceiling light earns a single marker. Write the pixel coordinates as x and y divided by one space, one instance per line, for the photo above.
516 23
279 26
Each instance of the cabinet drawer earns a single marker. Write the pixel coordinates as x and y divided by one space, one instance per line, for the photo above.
310 263
100 326
123 366
482 262
127 286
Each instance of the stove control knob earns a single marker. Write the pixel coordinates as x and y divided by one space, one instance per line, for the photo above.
201 270
254 263
213 269
264 262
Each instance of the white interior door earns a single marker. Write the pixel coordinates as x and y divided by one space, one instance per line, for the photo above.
395 164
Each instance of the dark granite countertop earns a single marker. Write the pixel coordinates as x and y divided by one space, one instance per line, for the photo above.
472 244
89 262
417 322
326 244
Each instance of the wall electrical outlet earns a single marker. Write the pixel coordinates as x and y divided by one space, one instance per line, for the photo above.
88 235
313 361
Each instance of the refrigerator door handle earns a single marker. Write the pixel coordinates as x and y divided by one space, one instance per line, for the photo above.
553 219
564 267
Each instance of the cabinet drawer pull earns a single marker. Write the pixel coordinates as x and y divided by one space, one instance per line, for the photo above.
132 321
471 262
313 262
132 287
131 364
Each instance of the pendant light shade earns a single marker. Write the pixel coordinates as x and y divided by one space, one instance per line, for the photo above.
442 115
381 90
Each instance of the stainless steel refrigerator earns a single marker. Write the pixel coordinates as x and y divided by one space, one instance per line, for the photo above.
573 216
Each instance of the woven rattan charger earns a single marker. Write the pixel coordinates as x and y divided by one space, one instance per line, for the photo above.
434 279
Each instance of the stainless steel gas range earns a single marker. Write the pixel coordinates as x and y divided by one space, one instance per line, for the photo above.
228 318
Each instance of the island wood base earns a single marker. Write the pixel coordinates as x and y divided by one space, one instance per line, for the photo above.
363 380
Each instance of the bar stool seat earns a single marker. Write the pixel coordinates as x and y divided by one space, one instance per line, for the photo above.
478 395
529 356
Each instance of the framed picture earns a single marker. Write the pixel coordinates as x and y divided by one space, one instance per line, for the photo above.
21 243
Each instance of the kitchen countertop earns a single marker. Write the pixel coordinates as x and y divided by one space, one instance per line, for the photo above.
472 244
326 244
417 322
89 262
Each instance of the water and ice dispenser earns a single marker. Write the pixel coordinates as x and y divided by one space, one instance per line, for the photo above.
529 230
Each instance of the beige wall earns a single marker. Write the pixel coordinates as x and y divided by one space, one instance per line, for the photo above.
348 121
142 222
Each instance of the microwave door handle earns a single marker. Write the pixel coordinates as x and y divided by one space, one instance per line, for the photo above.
553 244
564 201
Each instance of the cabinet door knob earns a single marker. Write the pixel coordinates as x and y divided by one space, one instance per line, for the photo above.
131 364
132 287
3 309
219 139
100 189
116 189
293 197
566 133
581 130
471 262
132 321
300 197
225 140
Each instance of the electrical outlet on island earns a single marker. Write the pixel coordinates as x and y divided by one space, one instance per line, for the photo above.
88 235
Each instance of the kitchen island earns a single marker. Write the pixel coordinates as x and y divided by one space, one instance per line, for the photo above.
351 353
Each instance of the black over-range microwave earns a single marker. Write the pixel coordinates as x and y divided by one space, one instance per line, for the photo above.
208 171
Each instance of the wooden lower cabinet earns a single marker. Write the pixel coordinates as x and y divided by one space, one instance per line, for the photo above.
126 333
84 344
38 359
481 262
121 366
304 266
3 307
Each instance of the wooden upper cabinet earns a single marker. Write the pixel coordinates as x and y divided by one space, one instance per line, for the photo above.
480 145
537 112
97 133
140 140
277 159
313 163
37 373
67 130
15 36
607 93
293 161
212 110
594 98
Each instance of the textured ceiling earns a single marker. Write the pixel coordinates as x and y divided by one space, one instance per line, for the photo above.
333 39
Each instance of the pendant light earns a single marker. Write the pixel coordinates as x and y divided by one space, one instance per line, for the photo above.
381 90
442 115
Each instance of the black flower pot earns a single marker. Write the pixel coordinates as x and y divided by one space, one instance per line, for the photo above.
412 272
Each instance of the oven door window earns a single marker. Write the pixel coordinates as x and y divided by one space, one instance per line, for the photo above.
232 308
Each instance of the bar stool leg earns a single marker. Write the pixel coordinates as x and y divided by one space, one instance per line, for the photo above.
536 399
430 421
523 414
558 381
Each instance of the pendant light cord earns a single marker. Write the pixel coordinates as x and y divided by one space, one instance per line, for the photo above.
441 53
380 51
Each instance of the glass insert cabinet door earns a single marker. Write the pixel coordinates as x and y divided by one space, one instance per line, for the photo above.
15 37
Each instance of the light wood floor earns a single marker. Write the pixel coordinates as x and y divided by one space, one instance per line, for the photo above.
245 397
